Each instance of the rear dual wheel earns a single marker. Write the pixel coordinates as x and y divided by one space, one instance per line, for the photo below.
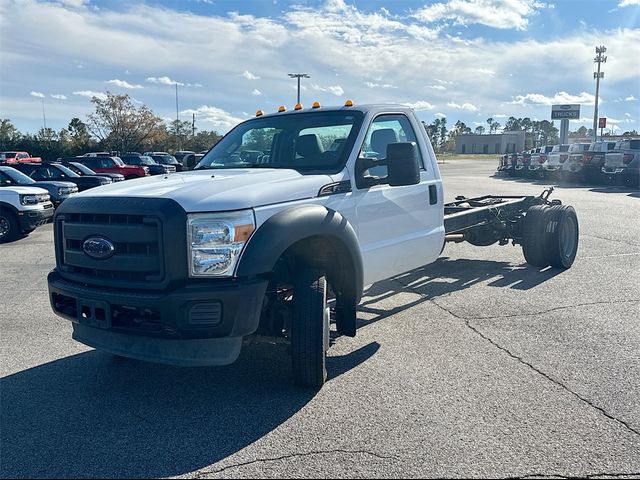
550 236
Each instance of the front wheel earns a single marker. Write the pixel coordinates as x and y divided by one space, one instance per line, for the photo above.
9 229
310 328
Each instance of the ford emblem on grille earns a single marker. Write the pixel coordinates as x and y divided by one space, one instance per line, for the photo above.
98 247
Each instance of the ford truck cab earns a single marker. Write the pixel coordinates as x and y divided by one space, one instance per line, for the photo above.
179 268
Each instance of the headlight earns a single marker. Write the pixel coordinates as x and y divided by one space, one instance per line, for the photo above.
66 190
216 241
31 199
28 199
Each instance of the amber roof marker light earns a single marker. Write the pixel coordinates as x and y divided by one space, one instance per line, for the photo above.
259 113
282 108
298 106
316 105
348 103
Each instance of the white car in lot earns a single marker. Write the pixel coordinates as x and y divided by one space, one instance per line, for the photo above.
22 210
557 156
538 159
573 164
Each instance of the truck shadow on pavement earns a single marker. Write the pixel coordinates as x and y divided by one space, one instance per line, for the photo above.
95 415
446 276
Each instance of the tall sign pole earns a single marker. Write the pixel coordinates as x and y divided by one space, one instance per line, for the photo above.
600 58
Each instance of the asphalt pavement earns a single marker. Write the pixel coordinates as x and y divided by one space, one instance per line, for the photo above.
475 366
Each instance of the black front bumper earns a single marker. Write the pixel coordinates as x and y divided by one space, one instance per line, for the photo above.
201 310
30 219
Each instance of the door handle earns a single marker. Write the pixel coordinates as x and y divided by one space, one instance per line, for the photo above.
433 194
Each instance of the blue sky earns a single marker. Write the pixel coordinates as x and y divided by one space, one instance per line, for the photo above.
464 59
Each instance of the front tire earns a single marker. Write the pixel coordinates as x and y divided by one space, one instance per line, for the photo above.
310 328
9 229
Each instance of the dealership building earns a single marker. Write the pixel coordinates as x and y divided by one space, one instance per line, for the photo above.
505 142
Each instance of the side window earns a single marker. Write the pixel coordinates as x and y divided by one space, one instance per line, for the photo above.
41 173
89 162
386 129
106 163
5 179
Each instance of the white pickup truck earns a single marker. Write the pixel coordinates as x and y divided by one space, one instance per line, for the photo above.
180 268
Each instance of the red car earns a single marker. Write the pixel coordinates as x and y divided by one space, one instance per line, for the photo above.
104 164
17 157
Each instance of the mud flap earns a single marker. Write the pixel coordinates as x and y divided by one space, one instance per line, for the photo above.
346 317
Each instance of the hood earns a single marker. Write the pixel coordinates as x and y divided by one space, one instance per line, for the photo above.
54 184
24 190
220 190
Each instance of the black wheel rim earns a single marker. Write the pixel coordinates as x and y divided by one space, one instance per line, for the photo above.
5 227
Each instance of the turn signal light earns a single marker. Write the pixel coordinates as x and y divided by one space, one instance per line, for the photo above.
348 103
563 158
627 157
316 105
281 109
542 159
298 106
586 158
259 113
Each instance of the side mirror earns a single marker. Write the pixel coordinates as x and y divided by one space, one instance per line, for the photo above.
403 165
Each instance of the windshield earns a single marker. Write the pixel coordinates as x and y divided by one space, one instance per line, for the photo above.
67 171
146 160
8 155
165 159
18 177
81 168
118 161
303 142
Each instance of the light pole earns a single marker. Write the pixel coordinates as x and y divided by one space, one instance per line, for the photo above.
298 76
600 58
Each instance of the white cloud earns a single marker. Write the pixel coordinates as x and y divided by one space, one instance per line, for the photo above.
90 94
59 96
250 76
583 98
256 92
492 13
334 89
630 98
627 3
215 116
500 115
420 105
164 81
465 106
440 115
124 84
438 87
627 114
379 85
37 94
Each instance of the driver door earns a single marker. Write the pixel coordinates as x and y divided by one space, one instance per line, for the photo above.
397 226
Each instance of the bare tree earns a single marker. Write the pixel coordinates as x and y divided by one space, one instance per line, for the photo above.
119 124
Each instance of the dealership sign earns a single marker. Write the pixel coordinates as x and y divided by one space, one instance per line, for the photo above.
602 122
562 112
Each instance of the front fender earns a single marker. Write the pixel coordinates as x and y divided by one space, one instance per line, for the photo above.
295 224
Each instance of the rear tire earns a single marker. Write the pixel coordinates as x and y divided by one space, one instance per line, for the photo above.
9 229
562 235
310 328
533 240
